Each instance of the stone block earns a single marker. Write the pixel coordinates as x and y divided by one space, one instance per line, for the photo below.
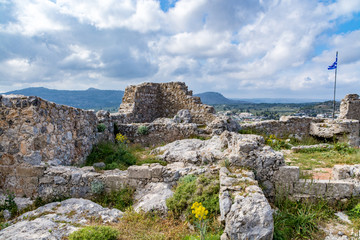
30 171
339 189
287 174
59 180
7 159
46 180
356 190
341 172
156 170
139 172
310 187
6 170
114 182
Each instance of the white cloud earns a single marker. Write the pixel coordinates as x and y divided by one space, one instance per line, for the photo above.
33 17
243 48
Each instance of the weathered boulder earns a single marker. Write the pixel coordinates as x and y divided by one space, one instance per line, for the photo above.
57 220
243 207
223 123
182 116
153 197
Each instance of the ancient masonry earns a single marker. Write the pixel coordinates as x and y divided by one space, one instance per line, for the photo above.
350 107
35 133
344 130
148 101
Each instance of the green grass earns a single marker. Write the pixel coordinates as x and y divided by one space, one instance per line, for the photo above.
300 219
146 226
190 189
308 159
95 233
120 199
114 155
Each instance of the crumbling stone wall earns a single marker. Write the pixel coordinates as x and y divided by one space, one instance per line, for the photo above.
158 133
35 133
286 126
350 107
148 101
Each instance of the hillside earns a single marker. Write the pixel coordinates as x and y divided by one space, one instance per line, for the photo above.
216 98
86 99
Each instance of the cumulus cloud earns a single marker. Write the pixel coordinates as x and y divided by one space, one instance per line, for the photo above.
264 48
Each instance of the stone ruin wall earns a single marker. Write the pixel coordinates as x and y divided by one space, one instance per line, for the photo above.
286 126
158 133
148 101
344 130
35 133
350 107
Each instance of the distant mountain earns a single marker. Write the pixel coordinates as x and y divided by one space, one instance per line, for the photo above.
216 98
91 98
281 100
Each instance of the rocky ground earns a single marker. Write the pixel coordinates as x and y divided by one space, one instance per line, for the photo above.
58 219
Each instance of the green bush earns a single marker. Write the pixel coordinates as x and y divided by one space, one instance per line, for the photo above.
276 143
143 130
97 187
299 219
190 189
101 127
10 204
344 148
120 199
112 154
95 233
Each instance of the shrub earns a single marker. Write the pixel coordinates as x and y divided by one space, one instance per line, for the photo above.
343 148
95 233
143 130
276 143
97 187
101 127
190 189
120 199
113 155
10 204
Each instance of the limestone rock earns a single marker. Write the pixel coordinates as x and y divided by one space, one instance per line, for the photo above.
57 220
240 149
249 215
153 197
183 116
223 123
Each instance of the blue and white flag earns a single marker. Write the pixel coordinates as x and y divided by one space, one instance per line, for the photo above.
334 65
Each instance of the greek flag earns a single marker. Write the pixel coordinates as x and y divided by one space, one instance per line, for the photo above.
334 65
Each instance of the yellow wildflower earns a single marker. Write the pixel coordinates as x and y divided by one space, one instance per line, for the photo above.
120 138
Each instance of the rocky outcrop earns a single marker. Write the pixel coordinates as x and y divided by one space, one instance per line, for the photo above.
153 197
57 220
148 101
221 124
243 207
239 149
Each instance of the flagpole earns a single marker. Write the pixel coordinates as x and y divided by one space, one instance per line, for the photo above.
333 115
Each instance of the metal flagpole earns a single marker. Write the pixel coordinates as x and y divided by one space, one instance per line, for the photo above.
333 115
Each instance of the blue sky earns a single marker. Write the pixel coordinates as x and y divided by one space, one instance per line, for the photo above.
243 49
